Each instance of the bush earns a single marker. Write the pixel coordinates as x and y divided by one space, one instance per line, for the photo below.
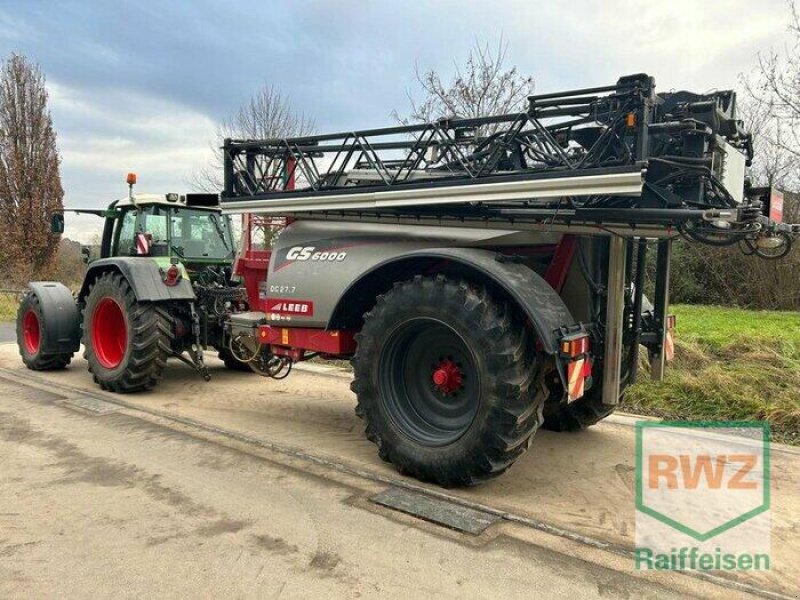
724 276
66 267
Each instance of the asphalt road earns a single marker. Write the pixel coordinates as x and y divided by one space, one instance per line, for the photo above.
246 487
8 332
104 506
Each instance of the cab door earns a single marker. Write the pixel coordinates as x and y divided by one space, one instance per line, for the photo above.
125 234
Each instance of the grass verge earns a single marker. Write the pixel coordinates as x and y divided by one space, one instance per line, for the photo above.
730 364
8 307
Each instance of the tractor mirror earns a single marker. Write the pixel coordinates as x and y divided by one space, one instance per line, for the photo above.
85 254
57 223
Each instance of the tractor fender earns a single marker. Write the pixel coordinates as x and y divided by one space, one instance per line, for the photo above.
525 288
61 333
143 274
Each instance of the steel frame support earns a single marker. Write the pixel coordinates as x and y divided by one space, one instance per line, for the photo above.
619 182
661 307
615 311
532 141
638 302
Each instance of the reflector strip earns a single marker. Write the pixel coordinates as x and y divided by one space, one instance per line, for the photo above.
669 346
142 244
776 206
575 346
575 378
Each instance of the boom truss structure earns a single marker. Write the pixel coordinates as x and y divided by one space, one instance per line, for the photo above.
619 151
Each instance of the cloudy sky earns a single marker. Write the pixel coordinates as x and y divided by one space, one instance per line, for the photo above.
140 85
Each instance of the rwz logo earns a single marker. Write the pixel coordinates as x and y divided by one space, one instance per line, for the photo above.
688 472
304 253
701 480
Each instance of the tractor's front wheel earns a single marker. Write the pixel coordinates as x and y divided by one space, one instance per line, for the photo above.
231 362
126 342
445 381
31 328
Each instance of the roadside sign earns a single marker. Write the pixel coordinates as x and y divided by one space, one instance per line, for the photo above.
702 496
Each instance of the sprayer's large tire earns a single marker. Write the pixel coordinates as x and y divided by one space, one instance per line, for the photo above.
587 410
126 342
31 328
445 381
231 362
580 414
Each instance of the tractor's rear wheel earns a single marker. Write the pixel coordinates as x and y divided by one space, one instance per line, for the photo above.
126 342
30 333
445 381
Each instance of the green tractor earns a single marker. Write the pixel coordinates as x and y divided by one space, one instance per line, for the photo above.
162 287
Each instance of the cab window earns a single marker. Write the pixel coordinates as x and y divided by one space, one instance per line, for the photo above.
153 222
124 244
201 234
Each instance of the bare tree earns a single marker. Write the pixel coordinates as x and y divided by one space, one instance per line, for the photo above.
482 85
771 109
772 164
268 114
30 183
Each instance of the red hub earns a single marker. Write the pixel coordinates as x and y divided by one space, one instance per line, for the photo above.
447 377
31 334
109 333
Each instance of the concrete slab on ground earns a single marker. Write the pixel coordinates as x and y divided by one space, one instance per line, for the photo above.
8 332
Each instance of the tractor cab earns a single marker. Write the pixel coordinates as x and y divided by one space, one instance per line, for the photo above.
186 228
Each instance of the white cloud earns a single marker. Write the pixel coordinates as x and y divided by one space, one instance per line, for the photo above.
105 133
683 43
86 229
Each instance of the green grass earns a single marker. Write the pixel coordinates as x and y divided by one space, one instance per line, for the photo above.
717 327
730 364
8 307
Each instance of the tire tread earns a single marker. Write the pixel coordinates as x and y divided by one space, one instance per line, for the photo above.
515 410
150 326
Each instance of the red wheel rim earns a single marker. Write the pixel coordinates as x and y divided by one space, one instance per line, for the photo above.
31 334
447 377
109 333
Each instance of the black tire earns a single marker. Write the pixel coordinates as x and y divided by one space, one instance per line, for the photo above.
30 333
469 427
587 410
584 412
143 346
231 362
